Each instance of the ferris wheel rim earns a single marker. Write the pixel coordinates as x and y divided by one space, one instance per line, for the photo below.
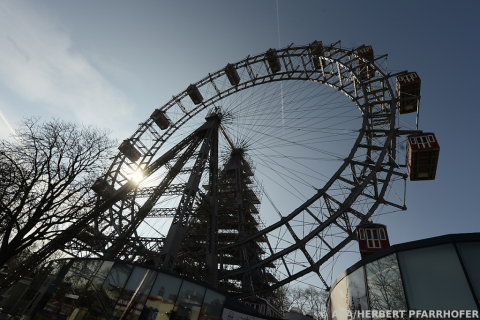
253 82
275 77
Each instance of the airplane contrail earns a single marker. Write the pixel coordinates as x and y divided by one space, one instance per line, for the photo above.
281 82
9 127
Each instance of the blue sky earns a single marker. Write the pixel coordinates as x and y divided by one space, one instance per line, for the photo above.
110 63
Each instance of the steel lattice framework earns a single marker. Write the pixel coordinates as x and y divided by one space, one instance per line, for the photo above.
311 231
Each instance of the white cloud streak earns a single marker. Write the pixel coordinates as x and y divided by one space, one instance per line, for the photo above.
7 123
37 64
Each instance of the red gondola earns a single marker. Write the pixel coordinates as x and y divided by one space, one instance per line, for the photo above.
273 60
366 71
129 151
372 237
161 119
422 156
317 50
408 92
232 74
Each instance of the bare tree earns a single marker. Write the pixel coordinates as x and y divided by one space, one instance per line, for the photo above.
309 300
46 175
281 299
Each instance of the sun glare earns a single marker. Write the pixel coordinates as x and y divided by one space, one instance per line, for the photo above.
137 176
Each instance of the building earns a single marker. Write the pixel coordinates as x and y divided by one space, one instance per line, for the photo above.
433 274
81 289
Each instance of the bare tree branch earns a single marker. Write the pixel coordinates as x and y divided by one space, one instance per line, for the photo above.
46 178
310 300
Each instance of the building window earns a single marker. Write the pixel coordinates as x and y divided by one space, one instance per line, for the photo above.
189 301
163 296
213 302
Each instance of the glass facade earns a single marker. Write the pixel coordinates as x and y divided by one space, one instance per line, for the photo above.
135 293
433 275
357 291
161 301
434 279
384 282
470 252
350 294
76 279
110 291
189 301
88 289
213 303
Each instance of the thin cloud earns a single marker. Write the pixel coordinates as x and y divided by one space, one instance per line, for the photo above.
37 63
8 125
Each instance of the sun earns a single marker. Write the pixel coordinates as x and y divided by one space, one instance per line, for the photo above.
137 176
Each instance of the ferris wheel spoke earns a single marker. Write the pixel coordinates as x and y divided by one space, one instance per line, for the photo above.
313 126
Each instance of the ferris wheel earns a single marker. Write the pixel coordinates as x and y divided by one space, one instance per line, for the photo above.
256 175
